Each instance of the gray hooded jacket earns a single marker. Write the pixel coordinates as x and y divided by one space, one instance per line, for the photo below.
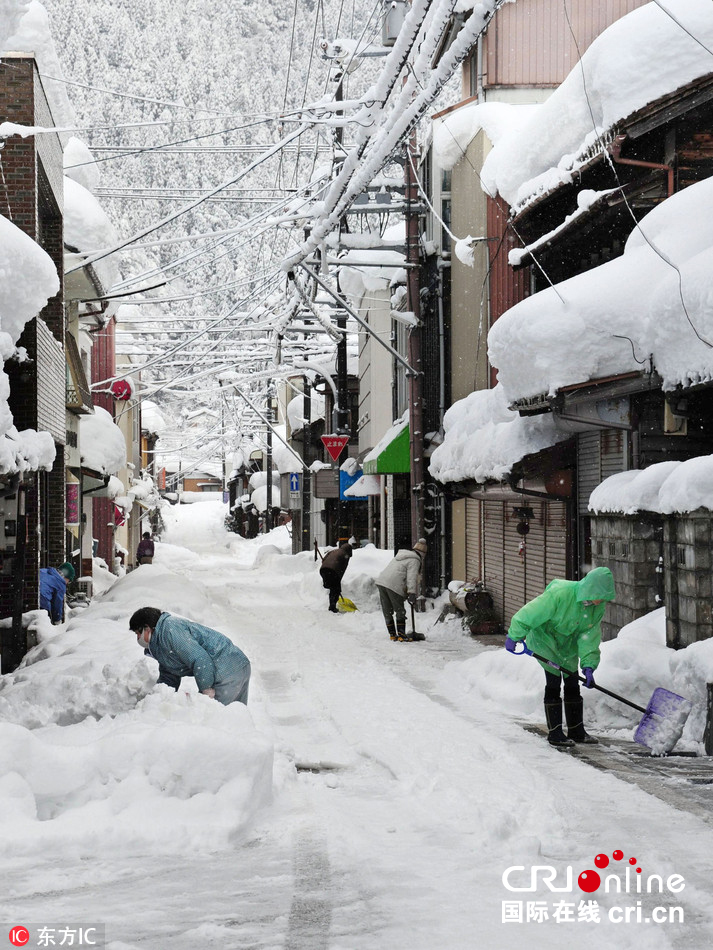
401 574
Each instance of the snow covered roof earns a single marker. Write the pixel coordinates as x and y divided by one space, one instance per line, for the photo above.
296 410
453 132
79 164
643 306
28 278
484 439
356 282
151 418
666 487
88 228
101 443
640 58
259 497
25 28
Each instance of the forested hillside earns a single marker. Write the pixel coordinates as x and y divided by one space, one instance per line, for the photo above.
209 81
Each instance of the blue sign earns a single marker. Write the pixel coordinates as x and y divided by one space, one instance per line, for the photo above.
294 481
346 481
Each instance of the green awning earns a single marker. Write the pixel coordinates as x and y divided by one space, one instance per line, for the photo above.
391 456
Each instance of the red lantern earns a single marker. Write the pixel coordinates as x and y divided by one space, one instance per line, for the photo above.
121 389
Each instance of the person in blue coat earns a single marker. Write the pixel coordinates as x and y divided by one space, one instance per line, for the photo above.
184 648
53 587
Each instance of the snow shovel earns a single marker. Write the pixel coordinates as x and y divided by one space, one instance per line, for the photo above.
345 605
664 718
413 635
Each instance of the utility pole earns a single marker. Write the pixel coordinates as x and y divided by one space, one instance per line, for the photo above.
268 511
306 474
415 379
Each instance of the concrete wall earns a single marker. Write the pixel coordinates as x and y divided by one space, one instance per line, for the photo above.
689 596
630 546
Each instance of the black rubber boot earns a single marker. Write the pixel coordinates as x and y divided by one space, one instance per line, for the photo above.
391 627
555 733
401 632
574 714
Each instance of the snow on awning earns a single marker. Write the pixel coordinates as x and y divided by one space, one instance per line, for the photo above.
364 485
664 488
391 455
101 443
484 439
623 315
641 57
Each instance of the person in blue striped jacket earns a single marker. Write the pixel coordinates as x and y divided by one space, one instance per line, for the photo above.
184 648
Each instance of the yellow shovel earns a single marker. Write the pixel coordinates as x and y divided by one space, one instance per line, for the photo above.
346 606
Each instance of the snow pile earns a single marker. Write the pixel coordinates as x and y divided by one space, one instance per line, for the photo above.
94 756
666 487
484 439
612 318
632 665
101 443
637 60
500 121
87 228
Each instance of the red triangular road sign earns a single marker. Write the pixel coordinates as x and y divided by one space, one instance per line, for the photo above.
334 444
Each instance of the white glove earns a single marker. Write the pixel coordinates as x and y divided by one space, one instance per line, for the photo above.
209 692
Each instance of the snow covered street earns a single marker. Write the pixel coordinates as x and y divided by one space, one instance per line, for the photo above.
366 799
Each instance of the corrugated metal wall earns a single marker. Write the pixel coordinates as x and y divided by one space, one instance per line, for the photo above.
529 43
507 287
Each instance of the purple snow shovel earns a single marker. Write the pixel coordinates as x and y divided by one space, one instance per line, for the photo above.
664 718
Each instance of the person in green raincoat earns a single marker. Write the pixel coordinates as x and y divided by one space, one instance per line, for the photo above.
563 624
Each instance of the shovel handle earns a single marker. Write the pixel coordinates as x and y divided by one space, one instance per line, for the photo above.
413 619
583 679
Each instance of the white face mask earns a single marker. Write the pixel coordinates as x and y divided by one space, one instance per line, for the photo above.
142 640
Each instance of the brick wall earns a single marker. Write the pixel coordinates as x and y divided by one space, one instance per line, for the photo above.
31 197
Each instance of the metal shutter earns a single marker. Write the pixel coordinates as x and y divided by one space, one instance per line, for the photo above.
588 468
535 554
473 536
493 574
555 541
612 452
513 564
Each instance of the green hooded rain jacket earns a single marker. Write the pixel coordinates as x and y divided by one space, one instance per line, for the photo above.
559 626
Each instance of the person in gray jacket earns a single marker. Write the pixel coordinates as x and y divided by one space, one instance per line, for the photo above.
397 582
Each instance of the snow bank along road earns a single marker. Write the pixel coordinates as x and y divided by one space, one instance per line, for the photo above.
363 801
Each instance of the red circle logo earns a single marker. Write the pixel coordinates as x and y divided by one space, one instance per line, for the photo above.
19 936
